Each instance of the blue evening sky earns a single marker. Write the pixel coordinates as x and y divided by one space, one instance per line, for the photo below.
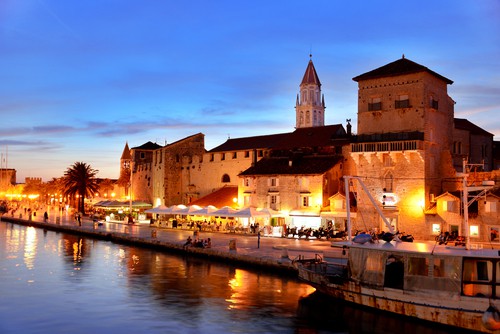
82 78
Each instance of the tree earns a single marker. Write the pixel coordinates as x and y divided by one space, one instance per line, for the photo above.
106 186
79 179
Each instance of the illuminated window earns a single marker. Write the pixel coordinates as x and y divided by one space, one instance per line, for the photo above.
474 231
436 229
449 206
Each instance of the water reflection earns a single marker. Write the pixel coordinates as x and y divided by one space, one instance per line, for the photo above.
30 245
68 284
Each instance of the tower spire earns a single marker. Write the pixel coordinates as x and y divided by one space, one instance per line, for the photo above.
310 105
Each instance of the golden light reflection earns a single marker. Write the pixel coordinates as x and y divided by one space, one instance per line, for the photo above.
77 250
246 291
30 247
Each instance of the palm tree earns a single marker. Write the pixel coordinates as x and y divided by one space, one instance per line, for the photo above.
79 179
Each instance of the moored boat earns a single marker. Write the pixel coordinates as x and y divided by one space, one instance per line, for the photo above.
449 285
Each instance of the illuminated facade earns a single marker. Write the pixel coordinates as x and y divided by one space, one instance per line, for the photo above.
407 151
407 144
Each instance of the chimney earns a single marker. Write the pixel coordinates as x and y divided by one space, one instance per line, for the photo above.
254 157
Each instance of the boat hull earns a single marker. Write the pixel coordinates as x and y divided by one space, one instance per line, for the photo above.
450 310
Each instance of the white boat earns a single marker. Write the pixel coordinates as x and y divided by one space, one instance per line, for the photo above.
449 285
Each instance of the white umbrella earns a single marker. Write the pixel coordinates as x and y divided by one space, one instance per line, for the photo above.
188 210
250 212
178 209
162 209
225 211
205 211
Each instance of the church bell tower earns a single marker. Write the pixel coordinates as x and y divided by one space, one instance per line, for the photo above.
310 105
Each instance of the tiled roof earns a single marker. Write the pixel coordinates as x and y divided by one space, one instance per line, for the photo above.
219 198
302 137
311 137
310 77
463 124
147 146
306 165
248 143
399 67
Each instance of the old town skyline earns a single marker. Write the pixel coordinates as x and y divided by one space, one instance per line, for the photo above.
80 88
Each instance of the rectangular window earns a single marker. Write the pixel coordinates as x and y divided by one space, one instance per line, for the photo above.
247 182
274 202
439 268
235 155
305 201
387 160
434 104
402 102
273 182
449 206
375 104
247 154
474 231
490 206
212 157
338 204
477 278
436 229
260 153
418 266
223 156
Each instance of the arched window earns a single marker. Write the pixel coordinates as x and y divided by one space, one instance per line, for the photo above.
226 178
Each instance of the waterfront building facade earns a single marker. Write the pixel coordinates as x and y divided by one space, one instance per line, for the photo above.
407 148
406 151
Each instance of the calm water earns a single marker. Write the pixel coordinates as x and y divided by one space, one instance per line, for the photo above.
59 283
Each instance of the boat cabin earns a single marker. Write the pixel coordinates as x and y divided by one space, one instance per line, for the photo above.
421 266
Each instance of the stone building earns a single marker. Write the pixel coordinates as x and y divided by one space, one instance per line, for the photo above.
472 143
407 151
142 171
409 146
172 166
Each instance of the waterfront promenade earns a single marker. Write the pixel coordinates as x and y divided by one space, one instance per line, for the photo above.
248 249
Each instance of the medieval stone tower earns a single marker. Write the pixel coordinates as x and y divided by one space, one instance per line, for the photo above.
310 105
